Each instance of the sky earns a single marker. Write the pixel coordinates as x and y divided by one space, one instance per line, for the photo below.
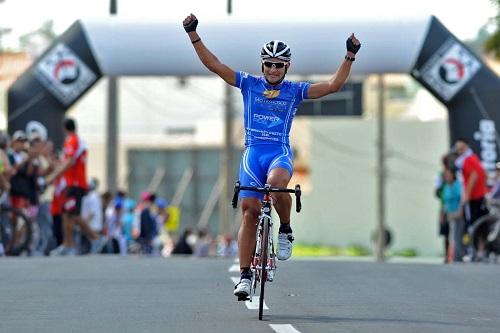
463 18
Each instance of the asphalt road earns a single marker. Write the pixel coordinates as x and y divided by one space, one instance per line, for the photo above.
115 294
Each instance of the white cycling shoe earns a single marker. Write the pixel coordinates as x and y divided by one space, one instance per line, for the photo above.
284 246
242 289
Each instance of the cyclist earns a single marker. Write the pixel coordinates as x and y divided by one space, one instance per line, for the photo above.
270 104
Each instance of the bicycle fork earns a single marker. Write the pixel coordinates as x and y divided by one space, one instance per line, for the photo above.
257 258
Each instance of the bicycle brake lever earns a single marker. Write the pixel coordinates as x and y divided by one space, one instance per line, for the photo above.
298 193
236 193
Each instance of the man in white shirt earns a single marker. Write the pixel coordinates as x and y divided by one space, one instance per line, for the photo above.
92 207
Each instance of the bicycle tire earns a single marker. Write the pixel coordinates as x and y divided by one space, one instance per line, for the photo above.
6 230
263 262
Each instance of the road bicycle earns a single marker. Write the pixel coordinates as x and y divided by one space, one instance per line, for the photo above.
263 264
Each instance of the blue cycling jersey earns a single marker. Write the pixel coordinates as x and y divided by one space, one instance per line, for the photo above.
269 110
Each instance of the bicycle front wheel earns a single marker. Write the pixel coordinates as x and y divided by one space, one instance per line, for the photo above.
263 261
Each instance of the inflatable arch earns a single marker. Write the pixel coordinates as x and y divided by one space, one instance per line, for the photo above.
423 48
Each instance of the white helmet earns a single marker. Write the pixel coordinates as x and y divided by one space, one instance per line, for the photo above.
276 49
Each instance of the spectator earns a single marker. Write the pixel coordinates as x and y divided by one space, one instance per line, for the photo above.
494 193
128 219
148 229
43 217
474 179
444 226
117 242
227 246
23 184
162 238
451 199
92 207
203 242
106 199
6 170
185 243
74 170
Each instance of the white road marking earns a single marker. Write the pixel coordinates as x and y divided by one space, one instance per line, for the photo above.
284 328
254 304
234 268
235 279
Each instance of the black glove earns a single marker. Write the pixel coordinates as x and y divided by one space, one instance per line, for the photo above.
191 26
351 47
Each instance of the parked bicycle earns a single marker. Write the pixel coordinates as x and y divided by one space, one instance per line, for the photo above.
263 264
484 235
16 229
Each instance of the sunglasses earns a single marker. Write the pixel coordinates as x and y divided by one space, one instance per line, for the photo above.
277 65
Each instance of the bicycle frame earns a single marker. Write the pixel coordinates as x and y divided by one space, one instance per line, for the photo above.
262 242
263 264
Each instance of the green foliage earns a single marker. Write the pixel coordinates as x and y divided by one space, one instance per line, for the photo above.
301 250
406 253
46 32
356 251
492 44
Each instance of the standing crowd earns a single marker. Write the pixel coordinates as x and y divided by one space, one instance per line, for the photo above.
467 220
71 217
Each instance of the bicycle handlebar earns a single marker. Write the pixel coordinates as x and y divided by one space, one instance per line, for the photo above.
268 189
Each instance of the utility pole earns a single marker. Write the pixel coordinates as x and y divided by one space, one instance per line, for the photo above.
112 124
227 158
381 170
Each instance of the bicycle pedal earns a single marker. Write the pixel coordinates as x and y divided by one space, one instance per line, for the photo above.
243 298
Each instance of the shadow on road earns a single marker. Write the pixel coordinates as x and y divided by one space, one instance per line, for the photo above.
331 319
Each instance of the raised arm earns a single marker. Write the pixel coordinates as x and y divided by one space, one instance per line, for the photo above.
207 58
338 79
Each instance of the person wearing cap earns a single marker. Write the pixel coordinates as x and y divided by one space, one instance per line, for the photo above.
74 170
23 158
23 183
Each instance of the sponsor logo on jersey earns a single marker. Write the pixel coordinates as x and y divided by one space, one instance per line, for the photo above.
271 93
268 120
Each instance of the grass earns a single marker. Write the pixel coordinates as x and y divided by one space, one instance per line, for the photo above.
302 250
354 250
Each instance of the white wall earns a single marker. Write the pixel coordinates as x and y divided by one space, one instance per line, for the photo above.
342 208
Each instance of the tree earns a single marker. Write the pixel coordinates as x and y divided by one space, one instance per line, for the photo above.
37 41
493 42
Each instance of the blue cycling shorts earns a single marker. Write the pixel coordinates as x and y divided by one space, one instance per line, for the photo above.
256 163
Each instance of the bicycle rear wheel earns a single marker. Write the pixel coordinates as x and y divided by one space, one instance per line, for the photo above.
263 262
16 231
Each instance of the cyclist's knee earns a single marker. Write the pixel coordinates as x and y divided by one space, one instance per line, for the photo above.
279 178
251 213
250 209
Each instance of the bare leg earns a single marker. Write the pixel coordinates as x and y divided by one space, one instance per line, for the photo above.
246 236
68 224
91 234
282 202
